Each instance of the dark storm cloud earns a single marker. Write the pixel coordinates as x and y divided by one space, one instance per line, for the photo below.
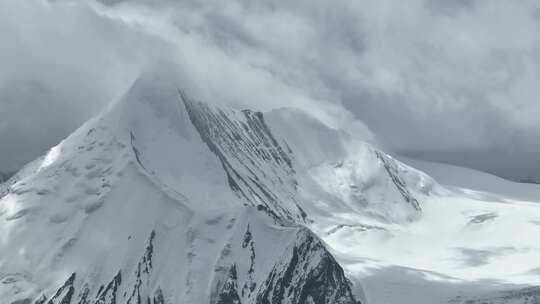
456 81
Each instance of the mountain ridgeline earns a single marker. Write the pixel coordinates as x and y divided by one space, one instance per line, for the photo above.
163 200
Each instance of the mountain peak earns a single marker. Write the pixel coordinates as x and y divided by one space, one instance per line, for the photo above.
164 196
153 104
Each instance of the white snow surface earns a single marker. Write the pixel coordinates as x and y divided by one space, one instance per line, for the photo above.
90 204
476 233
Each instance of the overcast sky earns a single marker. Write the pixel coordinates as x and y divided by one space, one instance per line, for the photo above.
448 80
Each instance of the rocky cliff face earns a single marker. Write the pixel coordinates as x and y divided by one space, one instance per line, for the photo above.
302 272
307 274
258 168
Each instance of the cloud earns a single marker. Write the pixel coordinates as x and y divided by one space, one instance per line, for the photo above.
61 63
438 79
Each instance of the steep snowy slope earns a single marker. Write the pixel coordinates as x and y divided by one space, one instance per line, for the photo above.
342 175
473 244
163 200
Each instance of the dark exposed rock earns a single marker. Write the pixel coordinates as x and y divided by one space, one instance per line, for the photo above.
248 241
65 293
245 146
250 285
391 168
108 294
41 300
229 291
83 297
158 297
135 150
356 227
309 275
143 269
482 218
147 257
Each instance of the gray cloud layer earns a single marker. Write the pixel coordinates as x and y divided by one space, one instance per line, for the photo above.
456 81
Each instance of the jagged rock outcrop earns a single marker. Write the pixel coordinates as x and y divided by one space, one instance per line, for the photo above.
307 274
228 293
303 272
134 290
391 168
258 169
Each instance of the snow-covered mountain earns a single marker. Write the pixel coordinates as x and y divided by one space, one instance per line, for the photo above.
166 199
